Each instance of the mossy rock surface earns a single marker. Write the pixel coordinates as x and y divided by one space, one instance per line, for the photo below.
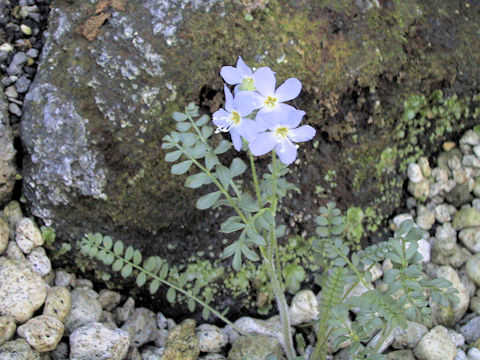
382 83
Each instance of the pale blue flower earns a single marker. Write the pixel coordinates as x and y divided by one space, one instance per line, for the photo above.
243 76
233 119
269 100
282 135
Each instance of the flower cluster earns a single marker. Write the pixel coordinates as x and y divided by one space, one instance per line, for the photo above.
257 112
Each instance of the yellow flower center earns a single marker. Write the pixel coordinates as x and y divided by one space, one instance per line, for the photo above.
281 132
248 84
270 101
235 119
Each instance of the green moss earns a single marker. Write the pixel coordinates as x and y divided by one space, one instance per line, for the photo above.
354 227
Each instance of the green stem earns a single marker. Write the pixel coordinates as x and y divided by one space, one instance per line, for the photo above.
216 182
180 290
199 133
283 310
198 130
386 330
255 180
353 267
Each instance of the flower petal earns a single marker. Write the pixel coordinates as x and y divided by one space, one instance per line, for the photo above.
231 75
228 99
263 143
286 151
282 114
265 81
288 90
220 117
248 129
246 101
303 133
243 68
236 139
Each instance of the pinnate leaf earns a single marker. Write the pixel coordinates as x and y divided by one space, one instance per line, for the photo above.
208 200
181 167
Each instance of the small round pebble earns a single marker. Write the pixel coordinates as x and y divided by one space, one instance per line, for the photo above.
39 261
63 278
109 299
473 268
58 302
436 345
414 173
304 307
85 308
210 338
15 109
43 332
96 341
473 354
28 235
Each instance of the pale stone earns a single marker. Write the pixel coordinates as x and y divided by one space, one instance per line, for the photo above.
13 252
141 326
473 268
7 328
109 299
210 338
451 314
419 190
425 218
304 308
39 261
414 173
4 235
436 345
124 312
21 290
13 213
85 308
63 278
58 302
444 212
410 336
43 332
20 349
470 237
270 327
96 341
28 235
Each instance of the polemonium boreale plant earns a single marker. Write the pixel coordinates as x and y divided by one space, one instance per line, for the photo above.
260 122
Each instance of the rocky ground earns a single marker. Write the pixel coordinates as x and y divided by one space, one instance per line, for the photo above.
48 313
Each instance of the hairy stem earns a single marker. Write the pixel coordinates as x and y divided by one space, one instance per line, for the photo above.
283 310
255 179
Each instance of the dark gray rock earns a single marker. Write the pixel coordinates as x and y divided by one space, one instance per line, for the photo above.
103 95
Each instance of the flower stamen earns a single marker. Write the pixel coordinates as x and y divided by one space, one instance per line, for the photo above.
270 102
282 132
234 120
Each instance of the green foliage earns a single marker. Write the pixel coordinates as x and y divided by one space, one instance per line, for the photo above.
49 237
405 286
152 271
188 146
354 226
